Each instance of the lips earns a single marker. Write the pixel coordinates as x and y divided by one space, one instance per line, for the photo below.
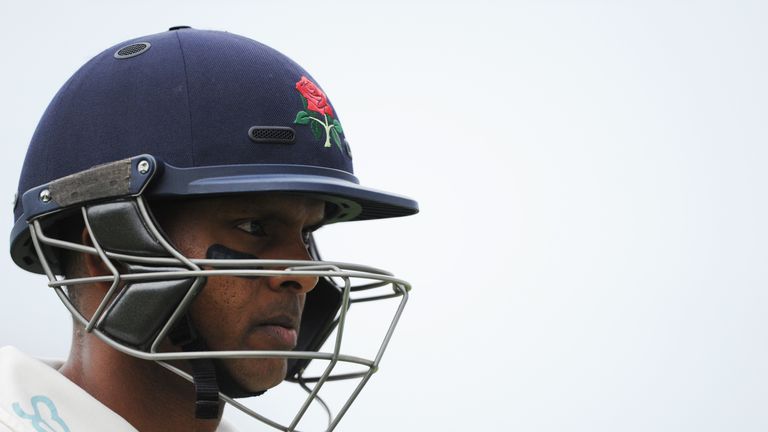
279 333
284 338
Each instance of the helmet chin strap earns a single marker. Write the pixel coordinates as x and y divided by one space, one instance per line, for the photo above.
203 373
209 376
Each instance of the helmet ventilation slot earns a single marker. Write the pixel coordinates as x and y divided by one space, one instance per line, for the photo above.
132 50
272 134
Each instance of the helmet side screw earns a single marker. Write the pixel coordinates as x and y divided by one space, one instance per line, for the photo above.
143 166
45 195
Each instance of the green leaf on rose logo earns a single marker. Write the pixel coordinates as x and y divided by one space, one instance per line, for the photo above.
317 130
302 117
337 126
335 138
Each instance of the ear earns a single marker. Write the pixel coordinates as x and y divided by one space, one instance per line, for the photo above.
92 294
93 265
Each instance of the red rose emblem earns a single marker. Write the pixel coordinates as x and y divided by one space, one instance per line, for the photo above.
316 99
318 114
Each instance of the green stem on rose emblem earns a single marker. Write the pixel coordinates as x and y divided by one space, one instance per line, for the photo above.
327 129
315 102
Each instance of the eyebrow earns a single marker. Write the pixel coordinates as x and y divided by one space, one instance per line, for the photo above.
278 215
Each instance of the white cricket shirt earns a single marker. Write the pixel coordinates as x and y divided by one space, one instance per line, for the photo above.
35 397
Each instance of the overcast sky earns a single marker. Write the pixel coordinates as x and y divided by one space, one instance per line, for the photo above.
591 250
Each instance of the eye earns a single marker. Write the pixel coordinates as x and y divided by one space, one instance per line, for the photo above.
253 228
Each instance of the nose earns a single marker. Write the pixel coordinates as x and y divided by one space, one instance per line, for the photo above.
294 282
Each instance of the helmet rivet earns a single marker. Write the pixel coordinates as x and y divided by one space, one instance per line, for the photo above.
45 195
143 166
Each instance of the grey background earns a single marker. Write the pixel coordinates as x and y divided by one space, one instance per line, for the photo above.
591 250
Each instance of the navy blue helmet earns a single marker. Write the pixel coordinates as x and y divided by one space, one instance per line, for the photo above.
176 115
219 114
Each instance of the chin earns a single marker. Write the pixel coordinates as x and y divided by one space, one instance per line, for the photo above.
258 374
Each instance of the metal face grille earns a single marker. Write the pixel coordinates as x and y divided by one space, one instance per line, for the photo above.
356 285
272 134
132 50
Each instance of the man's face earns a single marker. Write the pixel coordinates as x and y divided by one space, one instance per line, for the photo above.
247 313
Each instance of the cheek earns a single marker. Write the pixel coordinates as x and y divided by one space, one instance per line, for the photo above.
188 237
220 312
189 246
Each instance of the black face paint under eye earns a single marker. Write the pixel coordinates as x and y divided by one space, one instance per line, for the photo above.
221 252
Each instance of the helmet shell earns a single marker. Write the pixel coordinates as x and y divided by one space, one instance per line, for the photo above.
224 113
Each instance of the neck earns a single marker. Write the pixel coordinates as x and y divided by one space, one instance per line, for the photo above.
148 396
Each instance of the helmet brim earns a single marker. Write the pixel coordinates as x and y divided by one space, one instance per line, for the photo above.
165 182
325 183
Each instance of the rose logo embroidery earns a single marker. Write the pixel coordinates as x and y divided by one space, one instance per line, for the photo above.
317 113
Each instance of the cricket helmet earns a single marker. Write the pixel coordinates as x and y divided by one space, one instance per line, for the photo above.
177 115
